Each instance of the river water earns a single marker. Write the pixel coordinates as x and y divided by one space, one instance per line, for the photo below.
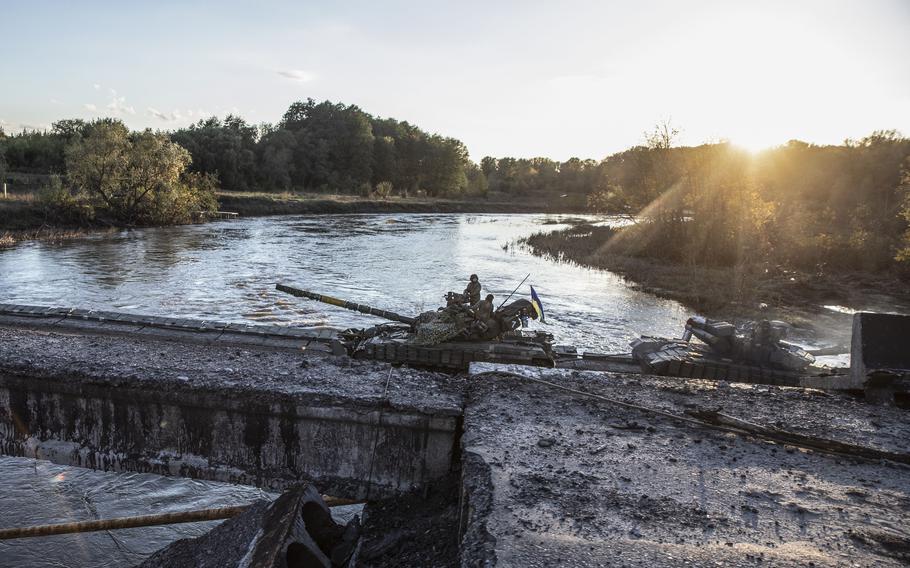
227 271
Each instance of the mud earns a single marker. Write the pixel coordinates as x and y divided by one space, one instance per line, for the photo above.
579 482
415 530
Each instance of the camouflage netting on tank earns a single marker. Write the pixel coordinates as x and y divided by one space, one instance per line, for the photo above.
440 326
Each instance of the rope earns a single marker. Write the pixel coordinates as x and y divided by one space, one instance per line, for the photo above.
378 428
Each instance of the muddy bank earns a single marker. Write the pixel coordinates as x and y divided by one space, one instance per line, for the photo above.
735 292
579 482
248 205
23 220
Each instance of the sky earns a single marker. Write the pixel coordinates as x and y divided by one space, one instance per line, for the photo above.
523 78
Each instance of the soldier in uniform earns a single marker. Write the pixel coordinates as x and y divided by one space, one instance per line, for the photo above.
472 292
483 310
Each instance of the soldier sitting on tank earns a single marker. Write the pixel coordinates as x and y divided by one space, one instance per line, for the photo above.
483 310
472 291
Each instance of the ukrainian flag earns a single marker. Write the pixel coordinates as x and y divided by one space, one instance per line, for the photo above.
538 306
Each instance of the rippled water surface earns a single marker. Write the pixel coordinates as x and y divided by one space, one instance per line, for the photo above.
227 271
36 492
405 263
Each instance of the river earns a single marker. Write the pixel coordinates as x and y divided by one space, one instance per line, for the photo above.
227 271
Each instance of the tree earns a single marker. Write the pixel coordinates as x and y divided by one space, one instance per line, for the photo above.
334 145
662 137
69 128
223 147
276 154
136 178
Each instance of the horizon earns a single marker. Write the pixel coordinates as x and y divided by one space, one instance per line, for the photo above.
552 83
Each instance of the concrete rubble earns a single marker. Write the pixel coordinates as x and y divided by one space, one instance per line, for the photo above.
296 530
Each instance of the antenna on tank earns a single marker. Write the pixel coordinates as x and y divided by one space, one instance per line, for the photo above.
515 290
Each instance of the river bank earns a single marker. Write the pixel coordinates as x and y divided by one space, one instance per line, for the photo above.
22 218
824 302
259 204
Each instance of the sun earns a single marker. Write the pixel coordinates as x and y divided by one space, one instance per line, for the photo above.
753 145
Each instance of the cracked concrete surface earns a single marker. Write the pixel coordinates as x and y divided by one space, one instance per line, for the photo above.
248 372
580 482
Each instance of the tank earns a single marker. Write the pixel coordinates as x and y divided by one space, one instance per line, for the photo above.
450 337
755 352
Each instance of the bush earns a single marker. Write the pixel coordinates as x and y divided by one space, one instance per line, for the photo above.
383 190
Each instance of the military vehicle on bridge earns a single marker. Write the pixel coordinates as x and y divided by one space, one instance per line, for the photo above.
755 352
451 337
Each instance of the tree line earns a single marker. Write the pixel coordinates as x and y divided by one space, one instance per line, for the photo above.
813 207
327 147
334 148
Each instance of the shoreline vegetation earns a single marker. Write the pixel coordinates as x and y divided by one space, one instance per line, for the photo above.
25 217
821 301
252 204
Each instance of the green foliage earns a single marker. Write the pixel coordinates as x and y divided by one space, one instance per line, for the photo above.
542 178
383 190
131 178
811 207
329 147
226 148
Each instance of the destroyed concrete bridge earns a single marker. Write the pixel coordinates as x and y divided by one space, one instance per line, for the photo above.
554 466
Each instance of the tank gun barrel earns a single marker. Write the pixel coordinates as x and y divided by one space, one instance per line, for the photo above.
362 308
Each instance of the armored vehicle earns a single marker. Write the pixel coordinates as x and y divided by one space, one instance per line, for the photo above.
450 337
754 352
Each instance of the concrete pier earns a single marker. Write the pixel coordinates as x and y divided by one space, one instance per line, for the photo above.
261 412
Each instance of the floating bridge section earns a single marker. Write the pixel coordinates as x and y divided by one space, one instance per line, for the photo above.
258 405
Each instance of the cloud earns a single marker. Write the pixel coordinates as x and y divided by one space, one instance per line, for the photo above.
118 106
175 115
161 115
97 87
296 75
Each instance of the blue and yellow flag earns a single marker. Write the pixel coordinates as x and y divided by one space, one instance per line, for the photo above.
538 306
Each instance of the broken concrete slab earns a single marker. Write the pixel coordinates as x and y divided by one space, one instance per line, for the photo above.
614 486
294 530
268 418
880 344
